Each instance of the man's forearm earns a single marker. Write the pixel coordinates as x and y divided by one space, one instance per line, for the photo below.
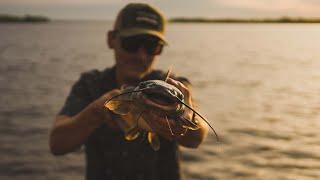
69 133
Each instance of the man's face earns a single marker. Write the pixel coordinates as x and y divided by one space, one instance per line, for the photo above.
135 55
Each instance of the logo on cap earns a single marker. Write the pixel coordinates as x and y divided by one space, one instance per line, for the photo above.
147 18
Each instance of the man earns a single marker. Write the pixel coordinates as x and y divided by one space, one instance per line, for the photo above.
137 39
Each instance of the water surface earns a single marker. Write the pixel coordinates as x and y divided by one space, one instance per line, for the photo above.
258 84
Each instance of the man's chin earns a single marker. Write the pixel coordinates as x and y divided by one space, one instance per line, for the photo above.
135 76
138 73
134 72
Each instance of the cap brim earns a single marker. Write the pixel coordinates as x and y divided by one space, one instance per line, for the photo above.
136 31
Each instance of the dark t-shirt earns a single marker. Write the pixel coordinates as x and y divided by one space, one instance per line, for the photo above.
108 155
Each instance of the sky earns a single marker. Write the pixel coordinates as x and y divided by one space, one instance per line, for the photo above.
107 9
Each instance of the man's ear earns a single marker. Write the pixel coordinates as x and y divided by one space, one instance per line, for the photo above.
110 39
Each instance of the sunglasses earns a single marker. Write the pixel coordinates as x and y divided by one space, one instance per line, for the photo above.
152 45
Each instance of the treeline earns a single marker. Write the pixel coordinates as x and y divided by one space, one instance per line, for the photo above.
236 20
7 18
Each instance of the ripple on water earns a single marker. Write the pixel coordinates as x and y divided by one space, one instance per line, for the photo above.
298 154
242 150
261 133
194 176
242 173
271 119
281 164
188 157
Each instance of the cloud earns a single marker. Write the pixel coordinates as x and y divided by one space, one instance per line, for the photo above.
298 7
69 2
55 2
101 9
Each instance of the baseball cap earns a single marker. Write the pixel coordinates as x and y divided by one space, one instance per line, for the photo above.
138 19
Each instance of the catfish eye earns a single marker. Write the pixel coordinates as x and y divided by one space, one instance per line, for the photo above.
142 85
179 95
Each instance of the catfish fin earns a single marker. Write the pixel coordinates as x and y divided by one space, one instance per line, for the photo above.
132 134
120 107
154 141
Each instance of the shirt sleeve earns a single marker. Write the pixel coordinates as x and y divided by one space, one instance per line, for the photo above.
78 98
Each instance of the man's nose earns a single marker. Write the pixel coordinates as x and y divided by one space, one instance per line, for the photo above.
142 54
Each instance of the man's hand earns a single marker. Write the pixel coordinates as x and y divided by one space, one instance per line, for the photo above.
98 105
68 133
187 95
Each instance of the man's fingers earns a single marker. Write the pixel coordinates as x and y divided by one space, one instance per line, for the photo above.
112 93
179 85
184 89
106 97
187 95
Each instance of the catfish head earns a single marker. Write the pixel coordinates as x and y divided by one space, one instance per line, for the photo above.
159 95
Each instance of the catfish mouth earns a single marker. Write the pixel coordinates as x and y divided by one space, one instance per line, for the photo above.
160 100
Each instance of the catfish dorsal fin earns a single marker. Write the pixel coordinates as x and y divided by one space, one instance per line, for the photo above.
154 141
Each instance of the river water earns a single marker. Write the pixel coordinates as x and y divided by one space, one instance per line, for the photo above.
258 84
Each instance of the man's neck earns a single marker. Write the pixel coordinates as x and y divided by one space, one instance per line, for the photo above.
124 78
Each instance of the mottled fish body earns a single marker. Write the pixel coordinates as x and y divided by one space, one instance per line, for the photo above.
153 96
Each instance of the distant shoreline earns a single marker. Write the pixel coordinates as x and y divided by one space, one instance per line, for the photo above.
7 18
236 20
